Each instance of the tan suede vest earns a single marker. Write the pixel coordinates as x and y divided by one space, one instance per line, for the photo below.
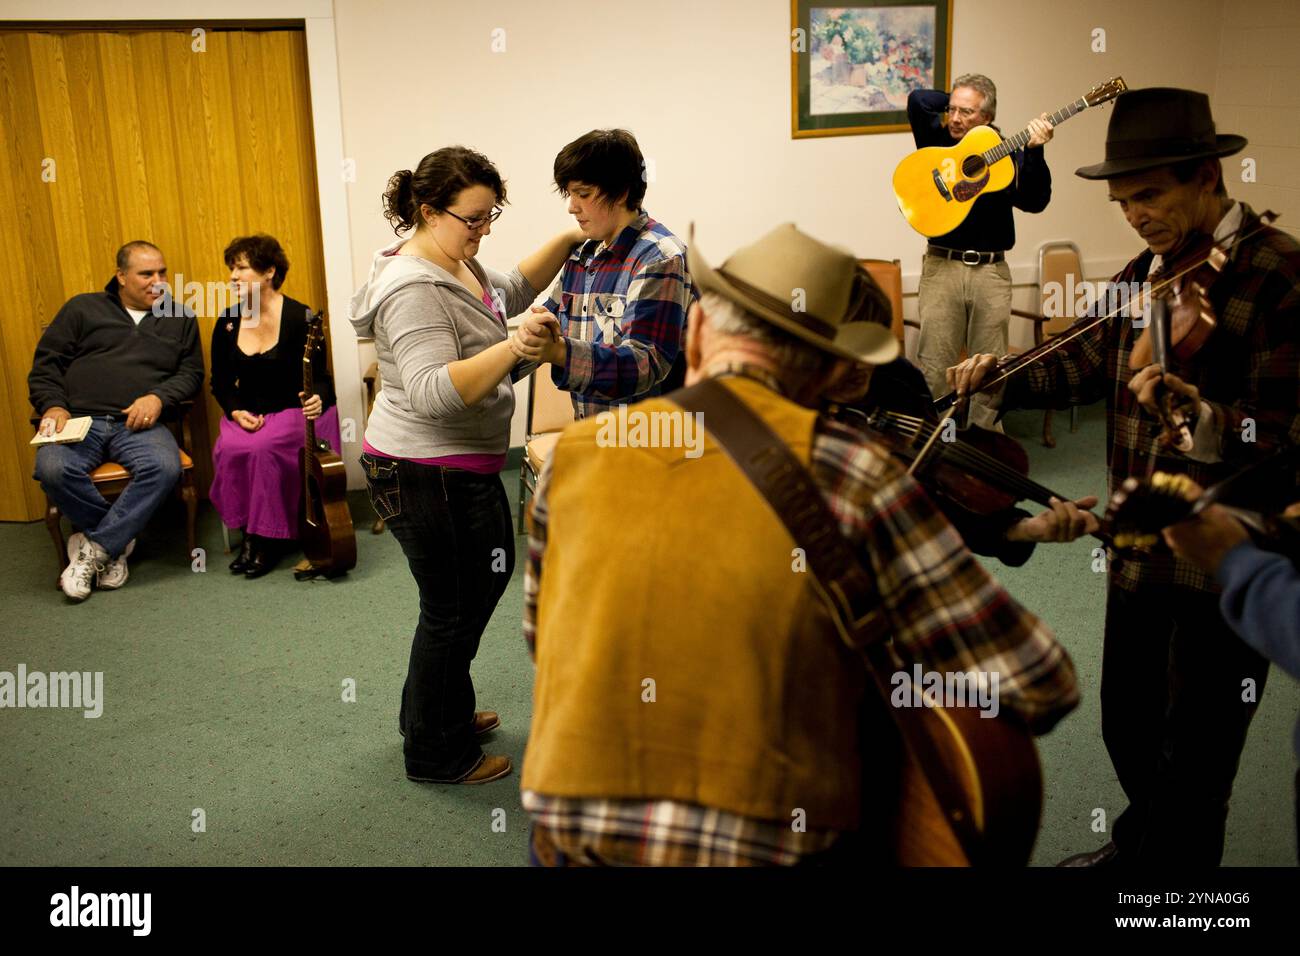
681 652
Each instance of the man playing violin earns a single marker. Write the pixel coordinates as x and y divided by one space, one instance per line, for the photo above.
1173 715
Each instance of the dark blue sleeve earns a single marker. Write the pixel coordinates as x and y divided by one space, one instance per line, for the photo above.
925 109
1261 602
1032 189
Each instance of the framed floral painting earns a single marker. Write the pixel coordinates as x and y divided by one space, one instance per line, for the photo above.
852 65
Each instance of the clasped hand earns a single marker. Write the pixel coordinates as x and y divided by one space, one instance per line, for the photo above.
537 337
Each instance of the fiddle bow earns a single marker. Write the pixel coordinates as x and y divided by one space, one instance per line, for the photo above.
1192 273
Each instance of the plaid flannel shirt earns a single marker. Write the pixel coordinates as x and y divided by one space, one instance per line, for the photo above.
947 614
1248 373
622 308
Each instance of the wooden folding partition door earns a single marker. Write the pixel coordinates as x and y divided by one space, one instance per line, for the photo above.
184 136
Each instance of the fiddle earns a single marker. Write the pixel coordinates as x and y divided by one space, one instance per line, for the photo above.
1181 321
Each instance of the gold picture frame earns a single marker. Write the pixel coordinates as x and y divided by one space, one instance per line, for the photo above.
852 64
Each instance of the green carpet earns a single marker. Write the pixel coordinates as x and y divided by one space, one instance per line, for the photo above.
226 696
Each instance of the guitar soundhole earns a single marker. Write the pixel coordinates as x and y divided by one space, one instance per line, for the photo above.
973 166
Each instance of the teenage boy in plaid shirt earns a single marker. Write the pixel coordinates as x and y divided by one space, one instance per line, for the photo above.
614 322
1174 705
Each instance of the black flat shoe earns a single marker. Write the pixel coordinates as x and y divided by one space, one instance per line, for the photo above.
265 557
240 564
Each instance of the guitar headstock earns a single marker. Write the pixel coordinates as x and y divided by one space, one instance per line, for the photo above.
315 332
1142 508
1105 92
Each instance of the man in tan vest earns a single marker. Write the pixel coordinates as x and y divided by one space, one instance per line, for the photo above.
693 703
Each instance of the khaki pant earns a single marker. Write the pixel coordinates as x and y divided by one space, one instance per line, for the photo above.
961 307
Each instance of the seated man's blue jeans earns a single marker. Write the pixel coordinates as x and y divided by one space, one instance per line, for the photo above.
150 456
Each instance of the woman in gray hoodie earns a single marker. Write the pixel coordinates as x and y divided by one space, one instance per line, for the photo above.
437 436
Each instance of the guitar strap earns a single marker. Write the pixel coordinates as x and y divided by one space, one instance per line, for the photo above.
838 577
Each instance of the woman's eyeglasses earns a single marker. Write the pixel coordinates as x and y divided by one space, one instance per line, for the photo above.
493 216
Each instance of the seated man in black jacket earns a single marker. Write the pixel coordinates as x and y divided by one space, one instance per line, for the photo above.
126 357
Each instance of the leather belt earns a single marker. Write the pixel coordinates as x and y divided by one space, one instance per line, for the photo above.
970 257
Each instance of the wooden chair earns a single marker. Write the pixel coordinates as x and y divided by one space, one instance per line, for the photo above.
550 411
111 480
1060 267
888 274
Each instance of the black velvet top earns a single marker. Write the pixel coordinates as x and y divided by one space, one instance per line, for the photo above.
270 381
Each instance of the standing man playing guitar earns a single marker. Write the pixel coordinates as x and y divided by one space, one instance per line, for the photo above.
964 296
1178 689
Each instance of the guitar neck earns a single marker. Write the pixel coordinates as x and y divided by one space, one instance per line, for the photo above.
308 389
1009 146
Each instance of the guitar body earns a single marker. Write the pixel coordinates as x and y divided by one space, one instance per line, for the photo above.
994 763
936 186
325 525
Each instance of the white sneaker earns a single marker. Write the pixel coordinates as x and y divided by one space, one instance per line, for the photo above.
113 574
86 560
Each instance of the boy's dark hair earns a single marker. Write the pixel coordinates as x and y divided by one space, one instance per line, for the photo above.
262 252
608 159
436 182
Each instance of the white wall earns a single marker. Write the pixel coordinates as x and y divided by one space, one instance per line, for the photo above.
706 89
1258 82
705 86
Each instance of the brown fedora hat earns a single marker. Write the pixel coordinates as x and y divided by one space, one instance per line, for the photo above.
1159 126
802 286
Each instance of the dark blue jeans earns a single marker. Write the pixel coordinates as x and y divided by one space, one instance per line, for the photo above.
151 457
455 530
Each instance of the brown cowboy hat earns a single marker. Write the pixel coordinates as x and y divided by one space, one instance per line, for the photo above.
1159 126
804 287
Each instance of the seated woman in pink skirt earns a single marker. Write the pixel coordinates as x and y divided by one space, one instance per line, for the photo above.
257 352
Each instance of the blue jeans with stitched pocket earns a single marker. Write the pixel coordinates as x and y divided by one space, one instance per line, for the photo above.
455 529
149 455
